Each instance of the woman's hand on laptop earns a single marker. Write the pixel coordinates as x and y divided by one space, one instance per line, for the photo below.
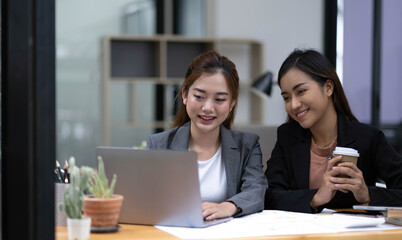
212 211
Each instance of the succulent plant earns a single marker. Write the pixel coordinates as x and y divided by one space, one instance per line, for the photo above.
74 192
98 183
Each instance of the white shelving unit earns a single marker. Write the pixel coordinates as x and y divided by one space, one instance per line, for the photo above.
133 66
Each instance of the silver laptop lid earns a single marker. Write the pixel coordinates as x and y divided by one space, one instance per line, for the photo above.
374 208
160 187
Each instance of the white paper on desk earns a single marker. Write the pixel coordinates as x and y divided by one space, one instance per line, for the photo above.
271 223
327 211
266 223
343 222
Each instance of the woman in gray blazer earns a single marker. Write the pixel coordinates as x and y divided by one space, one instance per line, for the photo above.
229 162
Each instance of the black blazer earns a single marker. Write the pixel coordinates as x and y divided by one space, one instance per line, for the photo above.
288 169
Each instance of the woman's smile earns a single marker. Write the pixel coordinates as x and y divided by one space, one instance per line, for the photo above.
301 114
206 119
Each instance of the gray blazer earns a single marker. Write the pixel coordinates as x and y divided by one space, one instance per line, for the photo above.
241 153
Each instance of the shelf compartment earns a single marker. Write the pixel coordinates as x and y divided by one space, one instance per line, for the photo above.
180 55
130 58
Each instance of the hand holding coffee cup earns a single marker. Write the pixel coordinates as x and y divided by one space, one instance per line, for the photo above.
348 155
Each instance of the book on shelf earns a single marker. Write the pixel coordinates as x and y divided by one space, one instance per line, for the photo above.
394 220
394 216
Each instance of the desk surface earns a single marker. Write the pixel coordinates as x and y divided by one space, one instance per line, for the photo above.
128 231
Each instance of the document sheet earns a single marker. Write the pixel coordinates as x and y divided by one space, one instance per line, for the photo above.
272 222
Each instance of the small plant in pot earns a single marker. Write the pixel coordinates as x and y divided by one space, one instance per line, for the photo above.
73 198
102 205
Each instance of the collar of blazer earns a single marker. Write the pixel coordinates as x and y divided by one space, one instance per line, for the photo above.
300 148
346 131
230 152
181 138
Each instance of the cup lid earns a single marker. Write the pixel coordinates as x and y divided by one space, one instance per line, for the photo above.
346 151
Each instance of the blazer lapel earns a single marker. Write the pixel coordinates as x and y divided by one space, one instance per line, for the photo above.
300 150
346 133
300 155
230 153
181 138
231 159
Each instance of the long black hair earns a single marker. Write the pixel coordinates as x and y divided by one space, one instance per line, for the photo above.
319 68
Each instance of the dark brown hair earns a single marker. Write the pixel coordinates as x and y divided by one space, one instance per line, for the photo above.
209 63
318 67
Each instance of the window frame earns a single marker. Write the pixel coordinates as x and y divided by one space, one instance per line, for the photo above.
28 119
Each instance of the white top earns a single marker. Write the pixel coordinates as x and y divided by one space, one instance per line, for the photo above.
212 175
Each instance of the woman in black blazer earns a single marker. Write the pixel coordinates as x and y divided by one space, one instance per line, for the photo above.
302 174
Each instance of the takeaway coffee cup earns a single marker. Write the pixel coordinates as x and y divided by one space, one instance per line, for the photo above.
348 155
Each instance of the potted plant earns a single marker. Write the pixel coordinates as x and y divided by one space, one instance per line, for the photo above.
102 205
73 198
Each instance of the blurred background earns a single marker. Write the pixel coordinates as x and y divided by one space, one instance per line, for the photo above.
98 105
279 25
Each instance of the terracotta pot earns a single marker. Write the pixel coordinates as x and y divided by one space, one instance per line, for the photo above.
103 212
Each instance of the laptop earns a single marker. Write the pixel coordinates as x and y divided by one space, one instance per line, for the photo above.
160 187
374 208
